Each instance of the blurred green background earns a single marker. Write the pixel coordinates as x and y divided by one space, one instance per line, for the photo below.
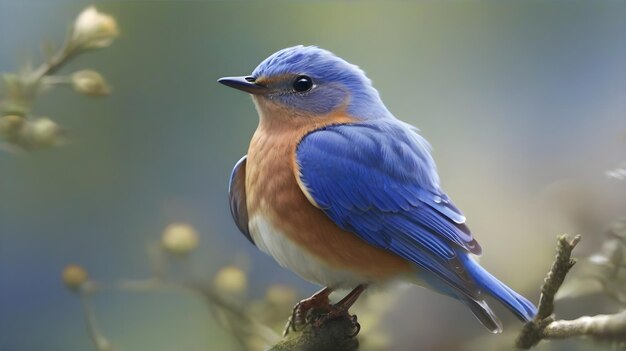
523 101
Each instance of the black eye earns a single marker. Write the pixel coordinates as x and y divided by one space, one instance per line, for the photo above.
302 84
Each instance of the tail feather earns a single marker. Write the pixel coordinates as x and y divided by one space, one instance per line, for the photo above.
520 306
485 315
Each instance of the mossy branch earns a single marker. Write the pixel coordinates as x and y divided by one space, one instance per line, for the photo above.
337 334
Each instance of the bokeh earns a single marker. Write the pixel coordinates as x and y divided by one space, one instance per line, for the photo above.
523 101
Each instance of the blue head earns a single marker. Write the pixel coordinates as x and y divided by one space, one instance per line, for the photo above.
311 81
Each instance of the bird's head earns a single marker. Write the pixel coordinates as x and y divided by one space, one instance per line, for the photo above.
309 81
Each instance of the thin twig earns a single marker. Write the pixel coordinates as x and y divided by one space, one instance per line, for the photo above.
606 328
100 341
561 266
533 331
611 328
244 324
53 63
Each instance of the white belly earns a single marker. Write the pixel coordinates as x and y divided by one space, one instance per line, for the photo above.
290 255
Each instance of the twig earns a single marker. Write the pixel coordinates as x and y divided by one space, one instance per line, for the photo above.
245 325
20 97
533 331
101 342
602 327
68 51
561 266
18 91
609 328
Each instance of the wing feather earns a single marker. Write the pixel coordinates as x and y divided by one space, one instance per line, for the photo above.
377 180
237 195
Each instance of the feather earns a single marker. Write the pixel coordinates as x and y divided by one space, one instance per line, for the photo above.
237 195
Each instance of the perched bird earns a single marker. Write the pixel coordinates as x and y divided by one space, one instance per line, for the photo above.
337 189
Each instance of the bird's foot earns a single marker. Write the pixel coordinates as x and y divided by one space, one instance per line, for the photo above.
317 310
319 301
341 310
336 314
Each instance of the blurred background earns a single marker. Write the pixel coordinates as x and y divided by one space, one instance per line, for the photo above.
523 102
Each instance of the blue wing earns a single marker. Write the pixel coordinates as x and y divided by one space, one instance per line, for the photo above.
377 179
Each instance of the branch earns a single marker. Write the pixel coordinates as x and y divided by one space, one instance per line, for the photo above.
561 266
18 91
68 51
242 325
534 330
544 326
99 340
333 335
601 327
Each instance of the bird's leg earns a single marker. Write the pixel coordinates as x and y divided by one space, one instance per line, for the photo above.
318 300
340 309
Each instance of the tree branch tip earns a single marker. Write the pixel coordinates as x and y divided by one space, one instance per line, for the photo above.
565 243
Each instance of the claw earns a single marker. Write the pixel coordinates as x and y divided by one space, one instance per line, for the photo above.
357 326
335 312
320 301
299 313
340 309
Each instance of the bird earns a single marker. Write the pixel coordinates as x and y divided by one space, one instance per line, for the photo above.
337 189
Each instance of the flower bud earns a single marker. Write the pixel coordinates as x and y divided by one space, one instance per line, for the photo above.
41 132
280 295
93 30
180 239
231 280
74 276
90 83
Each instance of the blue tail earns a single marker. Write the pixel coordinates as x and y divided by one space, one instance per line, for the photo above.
516 303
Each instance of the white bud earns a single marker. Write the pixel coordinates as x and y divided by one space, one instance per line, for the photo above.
41 132
74 276
93 30
90 83
281 295
180 238
231 280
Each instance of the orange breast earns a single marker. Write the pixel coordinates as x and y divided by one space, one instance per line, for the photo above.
272 190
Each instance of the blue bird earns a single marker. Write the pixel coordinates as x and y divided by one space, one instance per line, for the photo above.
337 189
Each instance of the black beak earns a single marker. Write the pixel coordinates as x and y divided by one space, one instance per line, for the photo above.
246 84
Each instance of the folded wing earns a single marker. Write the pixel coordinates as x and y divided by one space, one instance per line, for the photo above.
378 181
237 196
